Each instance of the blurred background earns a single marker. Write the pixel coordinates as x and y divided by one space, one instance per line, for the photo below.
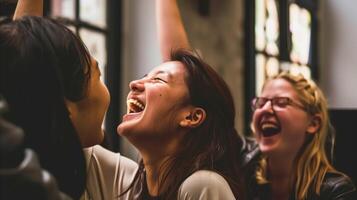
246 41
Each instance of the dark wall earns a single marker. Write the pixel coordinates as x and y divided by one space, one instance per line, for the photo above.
345 121
7 8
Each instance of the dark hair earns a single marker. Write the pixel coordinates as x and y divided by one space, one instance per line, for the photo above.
43 64
214 145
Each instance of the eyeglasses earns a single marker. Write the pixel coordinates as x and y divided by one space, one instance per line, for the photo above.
276 102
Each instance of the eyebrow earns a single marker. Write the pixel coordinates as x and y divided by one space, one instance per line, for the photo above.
164 72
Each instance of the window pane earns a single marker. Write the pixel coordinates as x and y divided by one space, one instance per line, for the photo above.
95 43
300 27
260 61
63 8
302 70
260 18
272 67
272 28
305 71
94 12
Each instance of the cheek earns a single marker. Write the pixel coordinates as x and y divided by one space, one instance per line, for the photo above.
255 121
100 95
105 96
294 122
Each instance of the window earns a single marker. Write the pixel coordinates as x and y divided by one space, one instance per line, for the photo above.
281 36
87 19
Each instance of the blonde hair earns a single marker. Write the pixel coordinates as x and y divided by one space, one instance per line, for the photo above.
312 162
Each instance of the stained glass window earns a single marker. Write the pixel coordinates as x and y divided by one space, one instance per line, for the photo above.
281 36
95 43
63 8
93 12
268 47
89 23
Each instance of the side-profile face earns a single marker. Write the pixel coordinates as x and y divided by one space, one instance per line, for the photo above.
156 103
280 130
88 114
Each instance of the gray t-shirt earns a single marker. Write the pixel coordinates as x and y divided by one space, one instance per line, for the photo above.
109 174
205 185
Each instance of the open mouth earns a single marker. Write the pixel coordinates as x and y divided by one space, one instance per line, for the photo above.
269 129
135 106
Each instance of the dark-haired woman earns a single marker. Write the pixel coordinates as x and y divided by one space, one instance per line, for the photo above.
181 119
53 88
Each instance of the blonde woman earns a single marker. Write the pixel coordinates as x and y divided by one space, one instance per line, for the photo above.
291 126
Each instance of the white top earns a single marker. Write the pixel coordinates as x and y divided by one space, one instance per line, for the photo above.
108 174
205 185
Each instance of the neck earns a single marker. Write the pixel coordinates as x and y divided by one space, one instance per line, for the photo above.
155 151
280 168
280 175
155 158
154 166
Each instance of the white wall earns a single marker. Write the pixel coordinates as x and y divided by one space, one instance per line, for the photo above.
140 48
339 52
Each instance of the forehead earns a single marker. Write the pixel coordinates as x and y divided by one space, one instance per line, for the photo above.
174 69
278 87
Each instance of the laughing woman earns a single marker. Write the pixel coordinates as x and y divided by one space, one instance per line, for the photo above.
291 127
53 87
181 119
291 124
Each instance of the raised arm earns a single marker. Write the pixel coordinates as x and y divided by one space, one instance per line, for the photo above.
28 7
171 32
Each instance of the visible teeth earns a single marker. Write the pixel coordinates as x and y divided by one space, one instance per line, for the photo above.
268 125
139 105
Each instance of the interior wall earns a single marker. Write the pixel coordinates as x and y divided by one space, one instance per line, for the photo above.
140 50
338 58
218 37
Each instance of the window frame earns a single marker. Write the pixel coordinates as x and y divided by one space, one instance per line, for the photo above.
284 45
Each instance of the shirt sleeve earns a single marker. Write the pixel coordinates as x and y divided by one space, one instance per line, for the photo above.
205 185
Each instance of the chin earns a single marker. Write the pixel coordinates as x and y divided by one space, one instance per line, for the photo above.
92 138
266 149
124 129
120 130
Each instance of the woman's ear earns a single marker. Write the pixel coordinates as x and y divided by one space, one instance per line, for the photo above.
72 108
315 124
193 118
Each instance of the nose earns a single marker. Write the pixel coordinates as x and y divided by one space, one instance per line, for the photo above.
268 106
137 85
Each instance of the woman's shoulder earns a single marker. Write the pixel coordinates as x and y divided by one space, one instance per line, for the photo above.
101 156
108 173
204 185
337 185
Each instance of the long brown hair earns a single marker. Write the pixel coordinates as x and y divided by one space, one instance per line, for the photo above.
213 145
